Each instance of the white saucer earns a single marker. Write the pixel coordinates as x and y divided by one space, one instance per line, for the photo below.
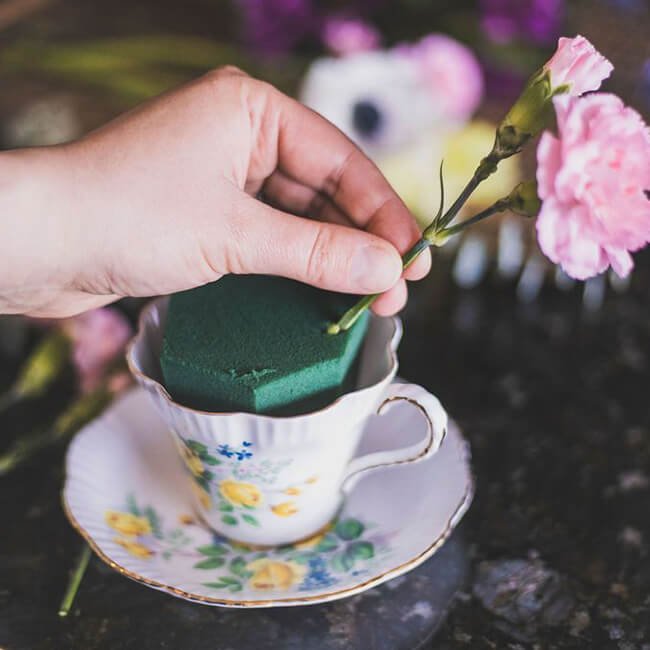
126 493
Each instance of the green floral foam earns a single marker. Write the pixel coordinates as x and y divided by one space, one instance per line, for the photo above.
258 344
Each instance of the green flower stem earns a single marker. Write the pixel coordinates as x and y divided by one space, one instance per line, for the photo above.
71 420
41 369
75 581
352 315
486 168
498 206
432 236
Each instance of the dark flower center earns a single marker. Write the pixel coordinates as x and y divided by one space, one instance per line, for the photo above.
366 118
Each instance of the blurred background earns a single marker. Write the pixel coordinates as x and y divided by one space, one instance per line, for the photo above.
67 67
548 377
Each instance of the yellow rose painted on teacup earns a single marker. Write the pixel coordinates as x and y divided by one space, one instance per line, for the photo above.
127 524
192 461
240 494
202 495
285 509
271 574
314 540
134 548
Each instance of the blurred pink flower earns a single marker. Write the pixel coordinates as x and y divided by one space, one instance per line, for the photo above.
98 337
349 35
592 180
578 64
452 71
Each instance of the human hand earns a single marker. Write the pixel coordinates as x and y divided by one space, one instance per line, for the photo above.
164 198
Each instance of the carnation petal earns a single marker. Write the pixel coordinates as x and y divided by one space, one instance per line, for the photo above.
579 65
549 160
620 260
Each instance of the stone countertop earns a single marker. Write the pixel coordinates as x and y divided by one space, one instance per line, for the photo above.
554 401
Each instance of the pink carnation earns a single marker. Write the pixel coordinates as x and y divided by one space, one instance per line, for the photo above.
345 36
98 337
592 180
579 65
452 72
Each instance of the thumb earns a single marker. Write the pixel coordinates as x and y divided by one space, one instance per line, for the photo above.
329 256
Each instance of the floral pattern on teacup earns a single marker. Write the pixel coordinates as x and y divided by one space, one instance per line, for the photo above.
347 547
225 478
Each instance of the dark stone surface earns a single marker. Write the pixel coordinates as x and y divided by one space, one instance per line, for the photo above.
115 613
555 404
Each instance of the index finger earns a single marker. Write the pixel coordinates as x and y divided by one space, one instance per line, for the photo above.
313 152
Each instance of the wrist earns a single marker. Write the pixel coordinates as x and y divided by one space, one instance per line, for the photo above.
38 260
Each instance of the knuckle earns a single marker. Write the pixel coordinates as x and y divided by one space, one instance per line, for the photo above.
226 71
319 253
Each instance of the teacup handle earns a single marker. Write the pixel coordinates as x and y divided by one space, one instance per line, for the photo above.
436 419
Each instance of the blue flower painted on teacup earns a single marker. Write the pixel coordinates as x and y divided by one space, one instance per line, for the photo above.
226 461
318 576
240 454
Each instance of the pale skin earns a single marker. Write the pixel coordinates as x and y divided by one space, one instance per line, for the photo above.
167 197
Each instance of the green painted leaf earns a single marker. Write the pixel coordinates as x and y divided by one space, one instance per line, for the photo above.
197 447
203 482
210 460
348 529
341 562
249 519
132 505
225 583
212 549
238 567
302 558
154 522
227 580
224 506
229 520
361 550
328 543
207 475
210 563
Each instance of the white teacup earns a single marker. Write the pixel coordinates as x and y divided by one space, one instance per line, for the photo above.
267 480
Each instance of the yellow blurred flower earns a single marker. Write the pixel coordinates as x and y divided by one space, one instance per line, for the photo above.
134 548
292 491
312 479
413 171
202 495
271 574
285 509
127 524
185 520
192 461
240 494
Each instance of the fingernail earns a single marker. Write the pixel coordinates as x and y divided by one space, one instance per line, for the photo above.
374 269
